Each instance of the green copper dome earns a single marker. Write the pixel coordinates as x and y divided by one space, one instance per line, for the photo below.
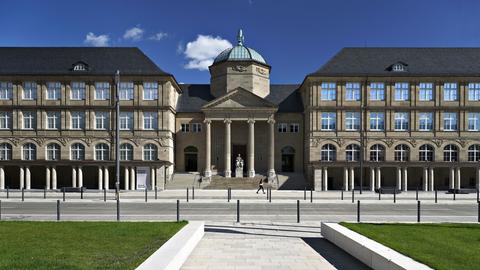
240 53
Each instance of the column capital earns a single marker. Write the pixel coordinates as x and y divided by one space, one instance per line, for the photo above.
271 120
227 121
207 121
251 121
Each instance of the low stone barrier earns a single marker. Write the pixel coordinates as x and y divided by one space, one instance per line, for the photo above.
174 253
371 253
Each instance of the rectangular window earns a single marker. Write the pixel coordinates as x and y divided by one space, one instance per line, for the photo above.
352 121
328 121
102 120
29 120
474 121
196 127
53 90
328 91
102 90
294 128
377 121
126 120
78 120
5 120
425 92
29 90
150 90
449 121
401 91
126 91
78 91
185 127
6 89
401 121
150 120
450 92
282 127
377 91
53 120
352 92
425 121
474 91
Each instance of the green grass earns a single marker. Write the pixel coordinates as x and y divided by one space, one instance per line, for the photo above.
81 245
441 246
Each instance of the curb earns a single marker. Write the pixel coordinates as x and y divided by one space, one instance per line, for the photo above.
371 253
174 253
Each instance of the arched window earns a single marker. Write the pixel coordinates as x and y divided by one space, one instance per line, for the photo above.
427 153
77 151
328 153
474 152
126 152
377 152
5 151
402 152
150 152
288 150
53 151
190 149
353 152
102 151
29 151
450 153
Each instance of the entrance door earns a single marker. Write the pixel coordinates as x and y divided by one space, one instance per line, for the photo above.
239 149
287 163
191 156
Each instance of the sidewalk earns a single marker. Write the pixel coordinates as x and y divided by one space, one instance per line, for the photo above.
267 245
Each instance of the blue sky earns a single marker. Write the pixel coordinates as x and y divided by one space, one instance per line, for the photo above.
295 37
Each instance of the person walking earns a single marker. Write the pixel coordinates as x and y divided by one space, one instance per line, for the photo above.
260 186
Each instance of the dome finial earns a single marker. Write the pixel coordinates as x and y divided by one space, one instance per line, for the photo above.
240 37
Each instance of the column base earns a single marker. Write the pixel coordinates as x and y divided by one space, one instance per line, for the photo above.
251 173
228 174
207 173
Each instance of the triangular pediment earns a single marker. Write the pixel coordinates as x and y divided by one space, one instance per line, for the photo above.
239 99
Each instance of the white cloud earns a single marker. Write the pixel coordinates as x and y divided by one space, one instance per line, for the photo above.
134 33
97 41
158 36
202 51
180 47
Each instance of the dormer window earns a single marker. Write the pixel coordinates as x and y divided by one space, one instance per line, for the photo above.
80 66
398 67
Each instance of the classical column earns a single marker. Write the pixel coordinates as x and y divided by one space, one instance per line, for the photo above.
22 178
228 148
106 179
458 179
325 179
372 179
251 148
405 179
379 178
425 179
153 182
100 178
28 181
317 178
126 178
208 148
399 178
432 180
2 178
451 181
271 149
132 179
345 179
47 178
74 177
54 178
80 176
352 178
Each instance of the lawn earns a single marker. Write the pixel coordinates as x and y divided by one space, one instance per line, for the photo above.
81 245
440 246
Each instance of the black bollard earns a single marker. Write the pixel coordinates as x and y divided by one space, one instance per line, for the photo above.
81 193
0 209
23 196
118 209
418 211
311 195
104 195
395 196
238 210
305 194
63 194
353 195
342 194
379 194
187 194
228 194
193 192
45 192
8 192
436 196
454 192
478 211
156 191
477 195
416 194
269 194
178 210
358 211
58 209
146 194
298 211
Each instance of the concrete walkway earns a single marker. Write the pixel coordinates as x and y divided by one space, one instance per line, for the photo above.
267 245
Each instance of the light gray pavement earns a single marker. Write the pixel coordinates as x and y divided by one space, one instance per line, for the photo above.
267 245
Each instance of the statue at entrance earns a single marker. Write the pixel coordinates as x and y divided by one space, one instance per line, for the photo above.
239 166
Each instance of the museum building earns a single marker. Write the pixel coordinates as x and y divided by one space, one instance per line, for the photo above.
403 118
